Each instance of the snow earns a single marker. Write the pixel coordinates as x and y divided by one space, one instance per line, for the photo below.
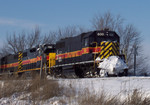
111 63
14 100
98 59
115 86
112 85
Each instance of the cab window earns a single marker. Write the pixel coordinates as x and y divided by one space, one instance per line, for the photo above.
85 42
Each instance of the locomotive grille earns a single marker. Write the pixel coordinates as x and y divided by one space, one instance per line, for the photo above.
20 55
109 49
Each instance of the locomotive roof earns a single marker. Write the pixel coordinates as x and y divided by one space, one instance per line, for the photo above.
27 50
105 33
101 33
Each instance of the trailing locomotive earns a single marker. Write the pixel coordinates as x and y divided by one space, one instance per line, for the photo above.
28 61
69 57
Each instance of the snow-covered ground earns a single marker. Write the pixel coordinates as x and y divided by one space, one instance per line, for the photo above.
113 85
121 86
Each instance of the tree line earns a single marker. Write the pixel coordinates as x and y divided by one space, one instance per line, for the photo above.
130 38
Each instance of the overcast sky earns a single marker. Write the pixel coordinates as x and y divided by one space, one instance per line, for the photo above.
18 15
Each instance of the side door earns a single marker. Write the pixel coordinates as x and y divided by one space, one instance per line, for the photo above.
85 49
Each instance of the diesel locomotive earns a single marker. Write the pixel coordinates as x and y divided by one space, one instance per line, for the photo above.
69 57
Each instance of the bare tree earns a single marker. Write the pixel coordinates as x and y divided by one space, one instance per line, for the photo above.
33 38
129 37
107 20
12 42
15 43
4 51
53 36
69 31
21 41
50 38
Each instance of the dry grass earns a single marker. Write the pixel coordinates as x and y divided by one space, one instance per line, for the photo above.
41 90
37 88
9 87
97 99
44 89
12 77
136 98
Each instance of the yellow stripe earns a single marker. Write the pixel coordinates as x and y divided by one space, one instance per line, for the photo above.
29 70
75 53
108 55
102 52
20 55
106 52
102 57
115 47
20 61
102 47
102 43
114 52
106 43
108 46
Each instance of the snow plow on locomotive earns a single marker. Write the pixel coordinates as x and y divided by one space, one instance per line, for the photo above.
81 56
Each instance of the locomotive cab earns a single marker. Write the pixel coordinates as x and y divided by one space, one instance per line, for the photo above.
102 43
48 48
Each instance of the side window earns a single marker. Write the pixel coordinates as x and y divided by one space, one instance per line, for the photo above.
86 42
33 50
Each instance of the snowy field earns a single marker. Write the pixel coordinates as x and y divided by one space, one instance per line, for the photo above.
112 85
121 86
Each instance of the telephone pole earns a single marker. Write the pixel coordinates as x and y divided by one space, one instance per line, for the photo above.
135 53
41 54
